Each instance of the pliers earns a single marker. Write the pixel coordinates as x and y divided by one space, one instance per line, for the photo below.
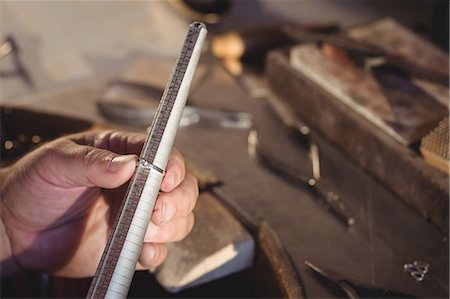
345 288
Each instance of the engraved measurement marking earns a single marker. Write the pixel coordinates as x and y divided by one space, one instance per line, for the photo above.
169 96
118 236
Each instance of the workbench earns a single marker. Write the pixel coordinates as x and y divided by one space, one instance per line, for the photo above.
387 233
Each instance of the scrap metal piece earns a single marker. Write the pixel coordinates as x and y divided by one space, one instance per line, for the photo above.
417 270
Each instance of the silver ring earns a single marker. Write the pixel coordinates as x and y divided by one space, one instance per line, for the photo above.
144 163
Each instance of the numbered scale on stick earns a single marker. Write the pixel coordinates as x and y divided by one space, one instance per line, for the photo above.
116 269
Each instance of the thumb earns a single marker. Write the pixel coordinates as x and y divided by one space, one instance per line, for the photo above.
99 167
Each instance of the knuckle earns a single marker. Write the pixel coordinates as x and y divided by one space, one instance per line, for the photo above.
102 138
90 156
94 156
54 149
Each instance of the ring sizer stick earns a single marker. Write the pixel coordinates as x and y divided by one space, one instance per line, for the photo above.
117 265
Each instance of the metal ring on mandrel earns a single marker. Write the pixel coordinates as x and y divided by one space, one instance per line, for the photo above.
144 163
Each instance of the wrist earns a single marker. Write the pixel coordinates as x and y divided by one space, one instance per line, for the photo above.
8 263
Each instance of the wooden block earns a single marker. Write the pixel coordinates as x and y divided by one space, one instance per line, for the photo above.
390 101
217 246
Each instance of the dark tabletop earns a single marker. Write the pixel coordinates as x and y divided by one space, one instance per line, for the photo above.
387 233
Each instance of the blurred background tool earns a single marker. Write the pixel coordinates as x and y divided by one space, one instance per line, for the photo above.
295 173
346 288
7 47
134 104
10 48
132 99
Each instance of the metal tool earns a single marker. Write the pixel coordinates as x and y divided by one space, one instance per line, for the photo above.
224 119
346 288
10 47
417 270
329 199
133 104
191 115
116 269
313 182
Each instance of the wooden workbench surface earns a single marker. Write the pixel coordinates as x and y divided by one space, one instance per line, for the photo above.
387 233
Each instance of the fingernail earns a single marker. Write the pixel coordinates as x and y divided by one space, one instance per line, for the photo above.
168 211
118 162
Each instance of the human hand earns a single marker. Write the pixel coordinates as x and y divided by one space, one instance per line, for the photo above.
59 203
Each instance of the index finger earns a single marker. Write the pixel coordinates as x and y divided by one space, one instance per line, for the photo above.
119 142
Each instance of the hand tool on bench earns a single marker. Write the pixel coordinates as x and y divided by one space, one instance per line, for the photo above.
346 288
